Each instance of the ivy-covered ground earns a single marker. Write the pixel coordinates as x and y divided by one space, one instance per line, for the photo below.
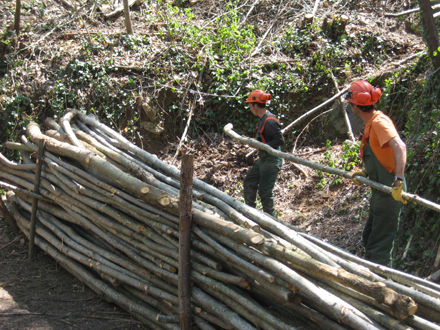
203 58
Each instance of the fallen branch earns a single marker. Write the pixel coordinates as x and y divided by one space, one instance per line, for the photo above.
257 49
308 113
120 9
347 120
409 11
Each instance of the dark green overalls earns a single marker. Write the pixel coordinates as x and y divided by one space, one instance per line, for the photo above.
263 174
383 218
262 177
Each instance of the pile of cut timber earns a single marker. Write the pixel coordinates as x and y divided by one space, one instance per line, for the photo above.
108 213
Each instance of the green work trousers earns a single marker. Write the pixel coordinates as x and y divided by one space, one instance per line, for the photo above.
261 178
384 216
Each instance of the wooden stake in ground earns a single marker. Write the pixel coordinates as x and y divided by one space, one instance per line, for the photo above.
127 17
35 200
17 21
186 187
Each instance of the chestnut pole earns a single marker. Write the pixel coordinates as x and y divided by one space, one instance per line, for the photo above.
186 187
17 21
35 200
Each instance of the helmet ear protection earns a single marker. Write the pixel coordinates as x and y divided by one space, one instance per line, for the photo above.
369 98
363 93
259 96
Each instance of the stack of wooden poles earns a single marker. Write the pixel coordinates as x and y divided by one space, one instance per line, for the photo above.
108 212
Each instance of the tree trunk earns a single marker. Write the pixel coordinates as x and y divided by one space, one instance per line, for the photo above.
430 32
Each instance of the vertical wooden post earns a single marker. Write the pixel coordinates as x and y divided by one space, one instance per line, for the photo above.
127 17
186 186
17 22
35 200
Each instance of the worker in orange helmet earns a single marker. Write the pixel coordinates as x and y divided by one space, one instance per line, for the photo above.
263 174
384 157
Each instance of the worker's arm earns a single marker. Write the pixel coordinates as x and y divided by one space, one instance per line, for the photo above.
399 151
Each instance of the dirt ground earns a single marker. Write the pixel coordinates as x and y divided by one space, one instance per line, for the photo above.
42 295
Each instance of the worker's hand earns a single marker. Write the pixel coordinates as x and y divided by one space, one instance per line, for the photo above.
361 173
397 193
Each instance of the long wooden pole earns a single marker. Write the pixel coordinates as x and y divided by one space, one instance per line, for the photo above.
186 187
349 175
35 200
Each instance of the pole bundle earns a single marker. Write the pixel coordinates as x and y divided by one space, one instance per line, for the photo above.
109 214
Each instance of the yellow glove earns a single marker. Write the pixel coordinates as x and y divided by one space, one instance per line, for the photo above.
361 173
397 193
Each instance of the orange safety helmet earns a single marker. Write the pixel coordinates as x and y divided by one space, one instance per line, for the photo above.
361 92
258 96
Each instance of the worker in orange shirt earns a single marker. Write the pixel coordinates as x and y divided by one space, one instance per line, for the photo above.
384 157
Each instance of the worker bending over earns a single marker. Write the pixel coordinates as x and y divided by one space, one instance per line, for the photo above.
263 174
384 157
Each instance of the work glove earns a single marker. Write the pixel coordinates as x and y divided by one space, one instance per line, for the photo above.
361 173
397 193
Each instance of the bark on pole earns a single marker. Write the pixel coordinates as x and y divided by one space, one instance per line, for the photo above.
346 174
430 31
35 200
127 17
186 187
17 21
